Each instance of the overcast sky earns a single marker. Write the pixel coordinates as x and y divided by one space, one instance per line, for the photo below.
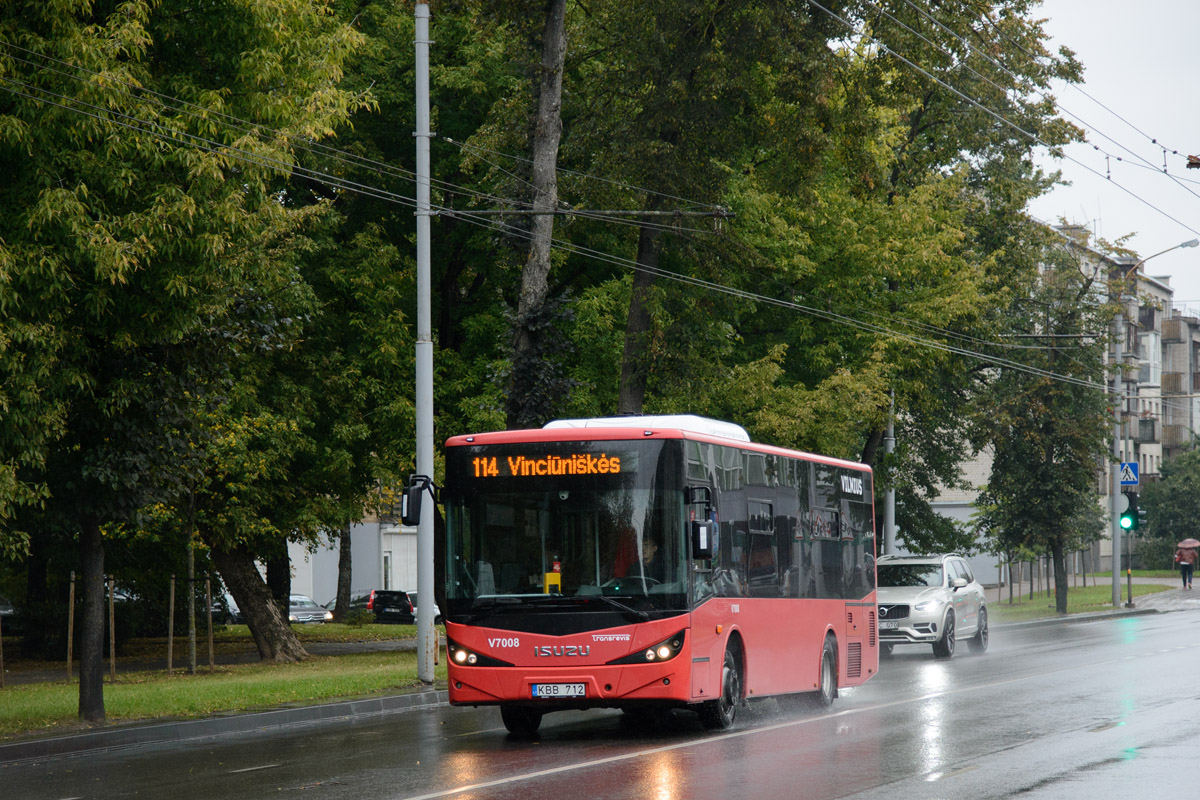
1141 62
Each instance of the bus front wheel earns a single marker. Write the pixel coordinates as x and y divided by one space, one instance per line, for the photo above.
521 720
719 714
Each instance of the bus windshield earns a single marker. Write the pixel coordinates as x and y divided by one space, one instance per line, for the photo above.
565 525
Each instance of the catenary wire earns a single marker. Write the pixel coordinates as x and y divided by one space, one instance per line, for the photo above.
999 117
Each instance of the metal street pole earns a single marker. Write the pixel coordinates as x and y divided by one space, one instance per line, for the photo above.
889 503
1115 491
426 643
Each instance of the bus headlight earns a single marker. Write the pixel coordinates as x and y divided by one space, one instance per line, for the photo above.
663 651
465 657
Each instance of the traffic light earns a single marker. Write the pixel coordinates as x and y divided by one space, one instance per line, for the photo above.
1129 517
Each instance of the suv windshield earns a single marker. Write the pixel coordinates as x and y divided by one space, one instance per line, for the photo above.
561 525
910 574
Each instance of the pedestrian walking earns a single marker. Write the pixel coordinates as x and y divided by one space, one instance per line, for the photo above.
1186 555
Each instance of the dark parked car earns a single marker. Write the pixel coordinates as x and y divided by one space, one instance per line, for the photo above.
9 613
391 607
225 610
305 609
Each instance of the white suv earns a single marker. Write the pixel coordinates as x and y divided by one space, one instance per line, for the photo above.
932 599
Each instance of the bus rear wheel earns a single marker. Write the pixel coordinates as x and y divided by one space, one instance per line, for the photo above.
827 689
521 720
719 714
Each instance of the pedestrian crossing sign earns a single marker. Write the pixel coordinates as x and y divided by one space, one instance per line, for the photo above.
1129 473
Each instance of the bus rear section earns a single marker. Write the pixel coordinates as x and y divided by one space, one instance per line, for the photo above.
652 567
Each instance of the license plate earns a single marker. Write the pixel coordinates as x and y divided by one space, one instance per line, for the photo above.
886 624
391 611
558 690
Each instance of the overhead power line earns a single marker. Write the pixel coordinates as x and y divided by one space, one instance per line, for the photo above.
995 115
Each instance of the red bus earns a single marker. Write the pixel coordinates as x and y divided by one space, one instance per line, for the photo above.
653 562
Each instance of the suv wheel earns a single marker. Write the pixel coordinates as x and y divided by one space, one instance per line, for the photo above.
944 647
979 642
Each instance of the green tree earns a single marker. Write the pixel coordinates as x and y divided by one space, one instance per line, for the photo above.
1046 421
1172 508
141 222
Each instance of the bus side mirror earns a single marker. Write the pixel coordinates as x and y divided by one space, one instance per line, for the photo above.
702 539
410 500
410 505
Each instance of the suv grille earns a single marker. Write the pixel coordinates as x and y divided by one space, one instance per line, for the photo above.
893 611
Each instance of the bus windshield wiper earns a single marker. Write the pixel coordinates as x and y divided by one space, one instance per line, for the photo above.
612 601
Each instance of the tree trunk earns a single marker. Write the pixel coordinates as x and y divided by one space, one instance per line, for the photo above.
342 604
1060 576
272 634
529 328
91 649
279 581
635 361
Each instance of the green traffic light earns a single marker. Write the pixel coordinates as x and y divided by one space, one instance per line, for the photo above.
1126 522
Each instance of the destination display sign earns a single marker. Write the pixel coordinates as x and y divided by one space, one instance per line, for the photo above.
537 466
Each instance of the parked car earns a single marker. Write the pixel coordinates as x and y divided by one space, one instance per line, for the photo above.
225 610
437 612
9 614
358 599
304 609
391 607
933 600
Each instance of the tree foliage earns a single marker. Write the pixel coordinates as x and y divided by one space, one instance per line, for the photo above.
207 309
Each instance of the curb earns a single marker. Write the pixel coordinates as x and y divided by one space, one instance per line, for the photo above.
135 734
1093 617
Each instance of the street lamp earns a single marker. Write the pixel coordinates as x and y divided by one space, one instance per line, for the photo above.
1118 395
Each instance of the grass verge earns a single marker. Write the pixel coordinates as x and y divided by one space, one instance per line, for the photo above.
1080 600
43 708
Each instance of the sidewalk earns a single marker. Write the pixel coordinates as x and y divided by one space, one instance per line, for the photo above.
1173 599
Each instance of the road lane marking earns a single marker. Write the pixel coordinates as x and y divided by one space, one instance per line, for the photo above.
254 769
937 776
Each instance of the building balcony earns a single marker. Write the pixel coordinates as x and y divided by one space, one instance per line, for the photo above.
1174 331
1147 431
1177 436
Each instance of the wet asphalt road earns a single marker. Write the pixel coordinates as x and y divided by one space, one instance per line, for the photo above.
1062 711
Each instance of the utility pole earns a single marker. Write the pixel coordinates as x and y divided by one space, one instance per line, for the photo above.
426 643
889 503
1115 489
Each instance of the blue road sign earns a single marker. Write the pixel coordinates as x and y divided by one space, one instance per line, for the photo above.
1129 473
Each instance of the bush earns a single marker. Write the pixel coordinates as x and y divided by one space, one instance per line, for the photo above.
357 617
1157 553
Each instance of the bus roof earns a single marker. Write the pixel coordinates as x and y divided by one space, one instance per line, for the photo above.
686 426
682 422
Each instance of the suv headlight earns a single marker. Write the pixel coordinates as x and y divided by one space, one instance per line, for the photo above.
927 605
